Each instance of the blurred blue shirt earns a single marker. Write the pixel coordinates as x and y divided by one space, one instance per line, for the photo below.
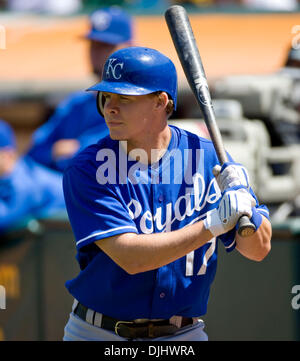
31 191
76 117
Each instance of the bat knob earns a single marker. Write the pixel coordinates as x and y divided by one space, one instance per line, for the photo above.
245 227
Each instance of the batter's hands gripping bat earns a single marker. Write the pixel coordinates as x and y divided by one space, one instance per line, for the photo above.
187 51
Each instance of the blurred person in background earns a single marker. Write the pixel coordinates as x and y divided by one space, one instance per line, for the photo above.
27 189
75 123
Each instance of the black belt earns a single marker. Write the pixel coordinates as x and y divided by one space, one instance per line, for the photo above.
132 329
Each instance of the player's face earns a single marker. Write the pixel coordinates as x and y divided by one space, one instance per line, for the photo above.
99 52
129 117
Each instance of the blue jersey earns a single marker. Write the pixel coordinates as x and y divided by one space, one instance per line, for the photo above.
30 191
77 118
108 193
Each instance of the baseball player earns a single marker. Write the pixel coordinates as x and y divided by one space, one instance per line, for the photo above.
148 213
76 123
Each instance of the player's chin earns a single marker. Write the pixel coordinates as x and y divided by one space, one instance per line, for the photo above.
116 135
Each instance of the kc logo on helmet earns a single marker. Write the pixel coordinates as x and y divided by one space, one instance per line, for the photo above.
114 69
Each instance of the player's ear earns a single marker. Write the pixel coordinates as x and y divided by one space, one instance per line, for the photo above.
162 100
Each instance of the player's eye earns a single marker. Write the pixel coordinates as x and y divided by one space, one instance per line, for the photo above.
124 98
105 96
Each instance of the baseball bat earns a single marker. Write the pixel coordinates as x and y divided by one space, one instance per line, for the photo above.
188 54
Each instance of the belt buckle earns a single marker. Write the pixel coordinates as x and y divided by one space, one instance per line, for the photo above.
120 322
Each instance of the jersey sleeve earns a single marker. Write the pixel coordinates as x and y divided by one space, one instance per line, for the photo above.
95 211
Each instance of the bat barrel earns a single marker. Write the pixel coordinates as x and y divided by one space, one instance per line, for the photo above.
187 50
184 41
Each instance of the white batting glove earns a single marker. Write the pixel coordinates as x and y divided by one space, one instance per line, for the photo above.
235 203
230 175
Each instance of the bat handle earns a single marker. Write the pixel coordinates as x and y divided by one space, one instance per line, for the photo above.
245 227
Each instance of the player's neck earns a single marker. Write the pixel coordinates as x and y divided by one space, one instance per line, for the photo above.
154 145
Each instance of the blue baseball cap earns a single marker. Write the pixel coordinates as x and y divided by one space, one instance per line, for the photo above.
138 70
110 25
7 136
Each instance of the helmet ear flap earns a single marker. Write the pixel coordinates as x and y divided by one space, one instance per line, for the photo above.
100 103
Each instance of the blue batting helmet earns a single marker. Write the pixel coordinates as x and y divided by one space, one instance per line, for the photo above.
138 71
